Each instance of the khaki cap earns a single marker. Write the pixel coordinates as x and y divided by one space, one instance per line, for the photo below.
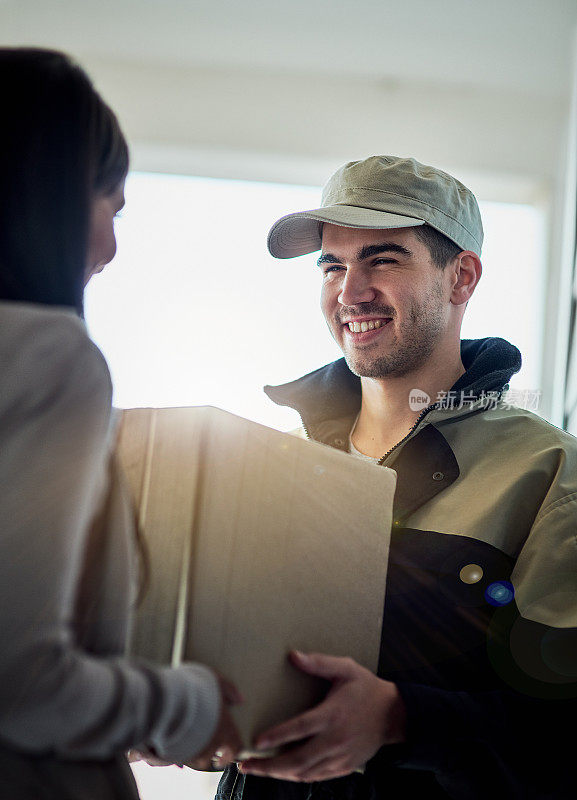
383 192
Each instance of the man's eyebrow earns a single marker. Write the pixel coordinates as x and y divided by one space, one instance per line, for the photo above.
382 247
328 258
366 252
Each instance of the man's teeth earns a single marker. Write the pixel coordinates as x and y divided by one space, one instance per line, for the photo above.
362 327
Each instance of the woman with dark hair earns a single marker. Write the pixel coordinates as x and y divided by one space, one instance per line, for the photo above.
70 704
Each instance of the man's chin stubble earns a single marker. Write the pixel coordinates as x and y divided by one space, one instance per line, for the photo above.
381 368
396 366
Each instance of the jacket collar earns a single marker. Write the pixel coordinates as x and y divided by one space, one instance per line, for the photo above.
329 398
334 392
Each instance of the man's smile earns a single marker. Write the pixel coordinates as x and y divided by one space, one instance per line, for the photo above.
364 324
361 329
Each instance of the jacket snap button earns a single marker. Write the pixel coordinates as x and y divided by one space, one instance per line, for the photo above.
339 442
438 476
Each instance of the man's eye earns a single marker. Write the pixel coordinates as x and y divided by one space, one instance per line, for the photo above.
332 268
384 261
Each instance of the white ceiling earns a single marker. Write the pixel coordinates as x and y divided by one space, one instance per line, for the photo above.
518 45
287 91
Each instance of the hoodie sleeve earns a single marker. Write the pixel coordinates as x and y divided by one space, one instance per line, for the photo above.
55 439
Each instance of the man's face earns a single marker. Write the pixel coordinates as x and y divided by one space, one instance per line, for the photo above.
386 303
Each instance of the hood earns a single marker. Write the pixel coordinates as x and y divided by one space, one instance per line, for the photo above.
333 391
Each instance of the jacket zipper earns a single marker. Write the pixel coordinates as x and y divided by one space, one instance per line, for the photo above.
237 776
418 421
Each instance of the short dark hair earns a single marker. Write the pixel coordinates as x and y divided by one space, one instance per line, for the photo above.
59 145
442 248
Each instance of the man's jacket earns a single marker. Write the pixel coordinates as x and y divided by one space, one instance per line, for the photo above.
480 618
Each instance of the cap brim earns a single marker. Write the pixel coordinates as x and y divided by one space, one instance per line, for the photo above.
300 233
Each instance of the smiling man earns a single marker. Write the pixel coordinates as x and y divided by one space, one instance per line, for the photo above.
477 675
350 279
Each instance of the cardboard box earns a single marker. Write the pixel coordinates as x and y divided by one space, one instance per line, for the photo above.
259 542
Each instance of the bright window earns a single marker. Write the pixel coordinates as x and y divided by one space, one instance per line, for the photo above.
194 310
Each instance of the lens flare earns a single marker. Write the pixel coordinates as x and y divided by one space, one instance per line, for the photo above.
499 593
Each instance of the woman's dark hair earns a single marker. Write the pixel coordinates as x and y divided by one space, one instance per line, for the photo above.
59 145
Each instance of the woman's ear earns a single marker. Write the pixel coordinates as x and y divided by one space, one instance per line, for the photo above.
467 271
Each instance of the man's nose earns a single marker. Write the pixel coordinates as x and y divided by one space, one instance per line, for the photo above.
356 288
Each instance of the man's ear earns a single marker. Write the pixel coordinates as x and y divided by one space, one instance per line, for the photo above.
467 270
